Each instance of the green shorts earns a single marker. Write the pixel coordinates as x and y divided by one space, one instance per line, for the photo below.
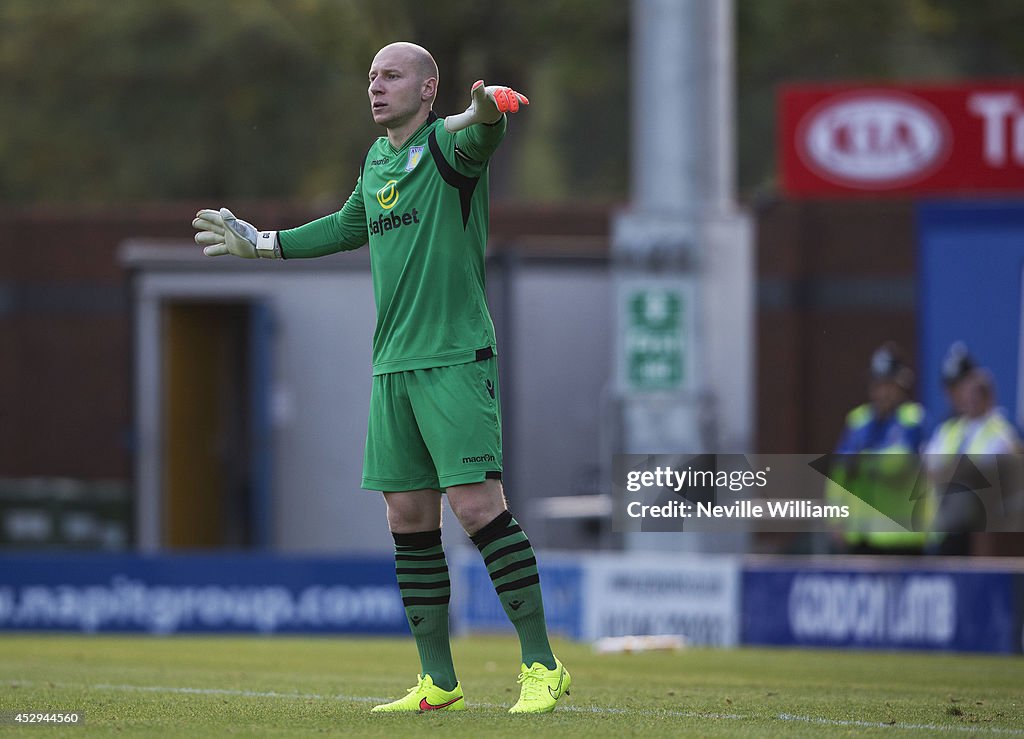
434 428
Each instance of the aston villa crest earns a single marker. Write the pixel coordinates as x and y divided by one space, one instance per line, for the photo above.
415 154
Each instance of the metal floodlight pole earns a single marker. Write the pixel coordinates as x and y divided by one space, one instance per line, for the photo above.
682 207
665 136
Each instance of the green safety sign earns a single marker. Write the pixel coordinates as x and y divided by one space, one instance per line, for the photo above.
654 340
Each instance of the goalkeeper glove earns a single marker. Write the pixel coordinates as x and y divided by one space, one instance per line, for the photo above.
221 233
487 105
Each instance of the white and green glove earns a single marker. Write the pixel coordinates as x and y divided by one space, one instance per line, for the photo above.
221 233
487 105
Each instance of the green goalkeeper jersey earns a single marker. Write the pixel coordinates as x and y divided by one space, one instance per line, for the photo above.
423 209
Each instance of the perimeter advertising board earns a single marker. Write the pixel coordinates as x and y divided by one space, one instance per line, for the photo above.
167 594
863 139
909 607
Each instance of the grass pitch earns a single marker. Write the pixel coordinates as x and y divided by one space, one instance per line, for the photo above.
282 687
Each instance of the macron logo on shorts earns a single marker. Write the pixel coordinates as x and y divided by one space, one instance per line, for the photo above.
480 458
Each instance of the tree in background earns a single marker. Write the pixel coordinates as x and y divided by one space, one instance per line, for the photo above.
213 99
156 99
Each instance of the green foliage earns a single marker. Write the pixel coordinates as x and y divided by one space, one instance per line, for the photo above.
151 99
107 101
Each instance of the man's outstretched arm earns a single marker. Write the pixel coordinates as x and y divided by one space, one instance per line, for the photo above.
219 232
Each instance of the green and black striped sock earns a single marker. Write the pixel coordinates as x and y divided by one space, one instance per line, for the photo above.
513 569
426 589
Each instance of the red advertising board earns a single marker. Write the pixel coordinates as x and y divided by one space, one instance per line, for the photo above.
857 139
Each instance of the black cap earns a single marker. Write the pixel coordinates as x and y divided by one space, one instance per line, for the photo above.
957 364
888 363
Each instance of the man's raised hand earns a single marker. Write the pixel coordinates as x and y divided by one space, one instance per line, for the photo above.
487 104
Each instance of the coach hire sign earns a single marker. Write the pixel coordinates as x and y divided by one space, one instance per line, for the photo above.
696 598
858 139
899 604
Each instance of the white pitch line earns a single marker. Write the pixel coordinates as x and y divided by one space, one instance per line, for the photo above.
883 725
238 693
574 709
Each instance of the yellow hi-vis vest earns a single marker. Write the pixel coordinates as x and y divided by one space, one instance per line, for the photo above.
952 435
885 481
951 439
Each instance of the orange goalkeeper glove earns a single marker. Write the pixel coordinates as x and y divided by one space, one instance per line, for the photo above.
487 105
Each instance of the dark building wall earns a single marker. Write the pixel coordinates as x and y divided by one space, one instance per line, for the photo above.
65 384
836 279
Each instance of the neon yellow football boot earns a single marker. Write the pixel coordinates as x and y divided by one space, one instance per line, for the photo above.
541 688
425 696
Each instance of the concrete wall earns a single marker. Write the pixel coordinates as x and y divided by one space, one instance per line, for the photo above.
556 378
323 317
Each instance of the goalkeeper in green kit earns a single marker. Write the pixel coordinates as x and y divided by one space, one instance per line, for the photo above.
421 202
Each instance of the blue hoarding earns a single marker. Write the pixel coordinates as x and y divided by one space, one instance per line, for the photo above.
880 609
970 270
1018 622
200 593
476 606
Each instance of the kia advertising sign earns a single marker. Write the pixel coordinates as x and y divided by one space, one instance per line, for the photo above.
848 140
